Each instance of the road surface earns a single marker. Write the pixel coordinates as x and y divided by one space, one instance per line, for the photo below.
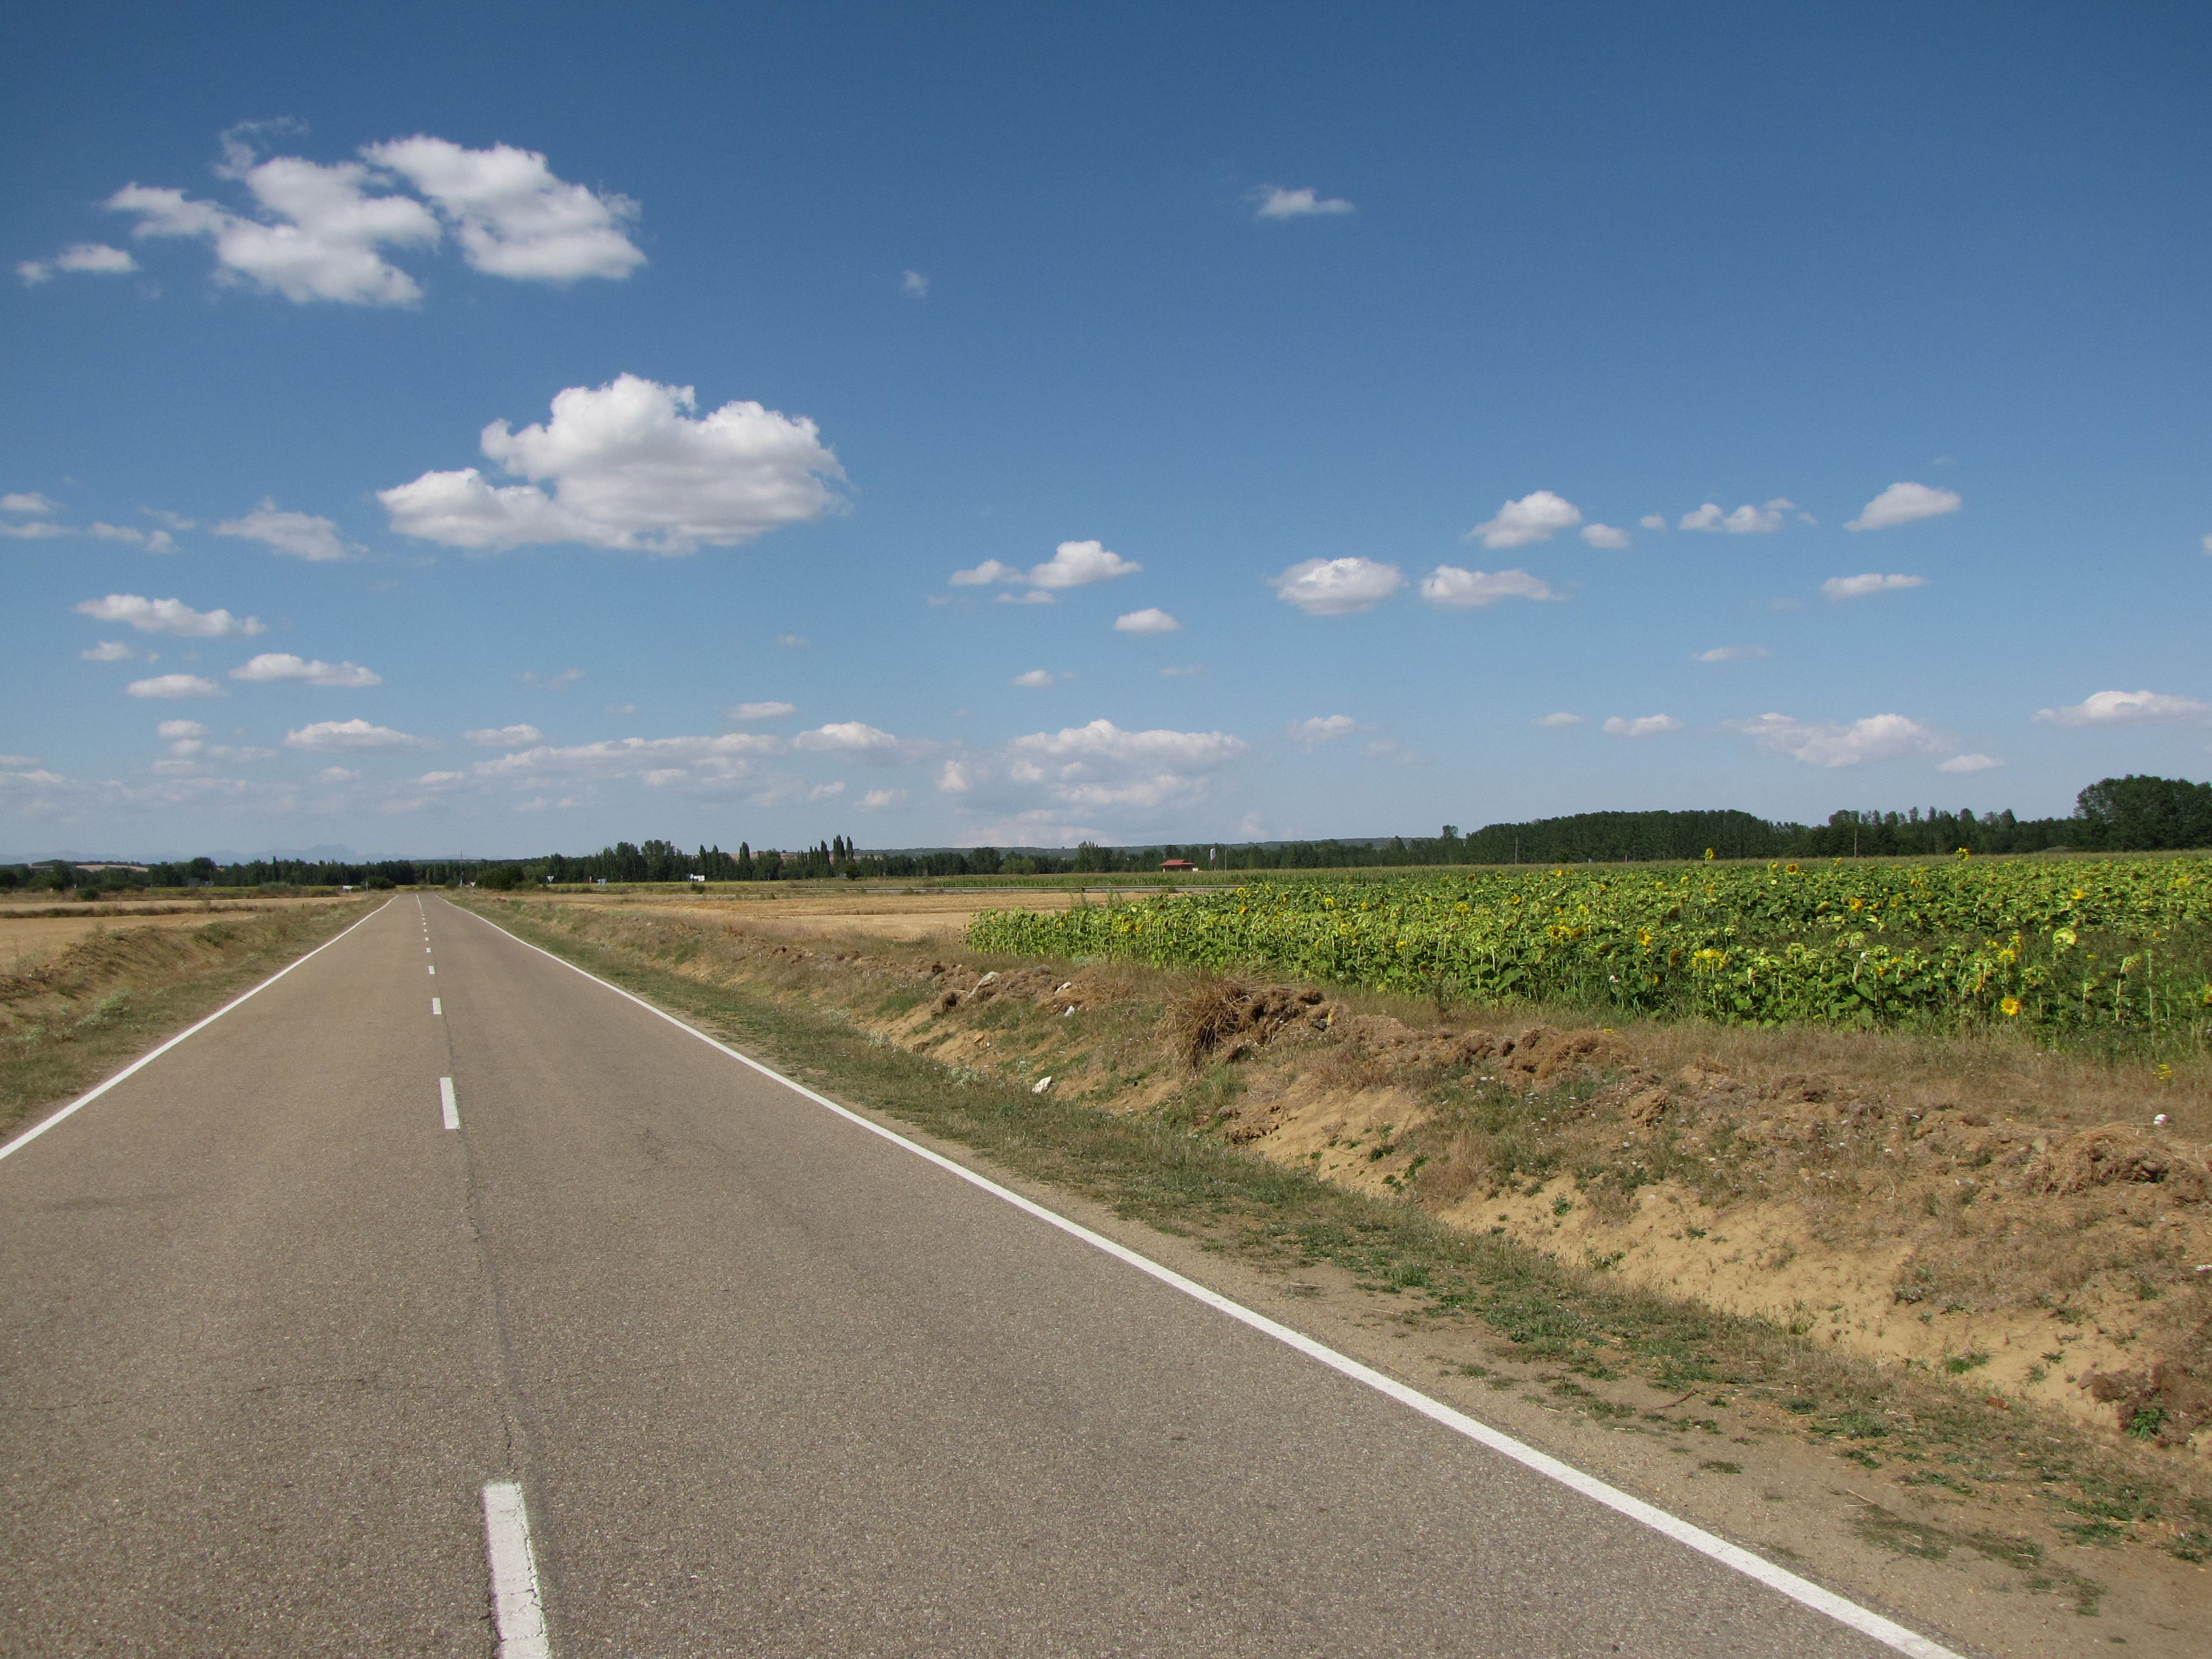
350 1325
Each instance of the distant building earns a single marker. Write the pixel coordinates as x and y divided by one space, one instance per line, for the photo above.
1178 864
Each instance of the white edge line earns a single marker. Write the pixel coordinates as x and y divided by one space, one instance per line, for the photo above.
447 1105
152 1055
1804 1591
518 1608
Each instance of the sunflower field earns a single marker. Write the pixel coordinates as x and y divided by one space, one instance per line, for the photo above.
2122 944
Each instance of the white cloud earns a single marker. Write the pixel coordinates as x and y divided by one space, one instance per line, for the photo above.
914 285
503 736
31 503
174 521
862 742
986 572
792 640
619 710
1078 564
1558 722
1970 763
2128 708
1150 620
825 790
1337 587
2207 544
1836 588
159 541
1036 679
1309 734
300 534
35 530
283 665
96 258
1652 521
1100 766
877 799
1732 654
1035 596
1181 673
1745 520
1449 585
512 216
174 685
1276 202
318 231
560 682
1535 517
1646 726
334 735
179 731
335 775
32 272
1878 737
1901 503
168 617
708 764
110 650
630 471
740 712
1605 535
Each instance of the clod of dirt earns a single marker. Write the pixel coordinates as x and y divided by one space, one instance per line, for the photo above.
2117 1153
2168 1403
1233 1017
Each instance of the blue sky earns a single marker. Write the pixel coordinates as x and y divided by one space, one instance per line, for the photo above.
1014 424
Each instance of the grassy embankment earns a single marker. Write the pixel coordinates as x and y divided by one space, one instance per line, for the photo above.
1129 1125
71 1019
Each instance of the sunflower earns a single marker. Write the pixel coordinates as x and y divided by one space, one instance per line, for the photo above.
2011 1005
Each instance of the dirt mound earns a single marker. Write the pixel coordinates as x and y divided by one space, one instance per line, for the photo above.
2167 1403
2115 1153
1231 1018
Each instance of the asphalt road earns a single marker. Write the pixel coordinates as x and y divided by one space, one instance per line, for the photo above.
768 1383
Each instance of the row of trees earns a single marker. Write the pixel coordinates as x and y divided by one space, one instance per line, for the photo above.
2129 814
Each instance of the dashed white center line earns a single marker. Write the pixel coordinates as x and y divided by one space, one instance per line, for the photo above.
435 1009
434 970
451 1107
517 1606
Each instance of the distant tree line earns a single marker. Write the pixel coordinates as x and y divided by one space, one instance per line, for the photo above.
2129 814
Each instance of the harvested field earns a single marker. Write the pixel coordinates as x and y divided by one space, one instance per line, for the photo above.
30 932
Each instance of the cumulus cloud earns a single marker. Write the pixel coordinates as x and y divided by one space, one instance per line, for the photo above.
1878 737
1337 587
1745 521
314 231
1652 521
1448 585
174 685
95 259
1276 202
1036 679
283 665
326 736
914 285
1150 620
179 731
1035 596
1732 654
1969 763
740 712
1645 725
693 763
1078 564
2129 708
1836 588
302 535
109 651
1535 517
510 214
1901 503
985 574
31 501
1310 734
1557 722
158 541
504 736
1100 766
860 741
630 470
877 799
1605 535
168 617
35 530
